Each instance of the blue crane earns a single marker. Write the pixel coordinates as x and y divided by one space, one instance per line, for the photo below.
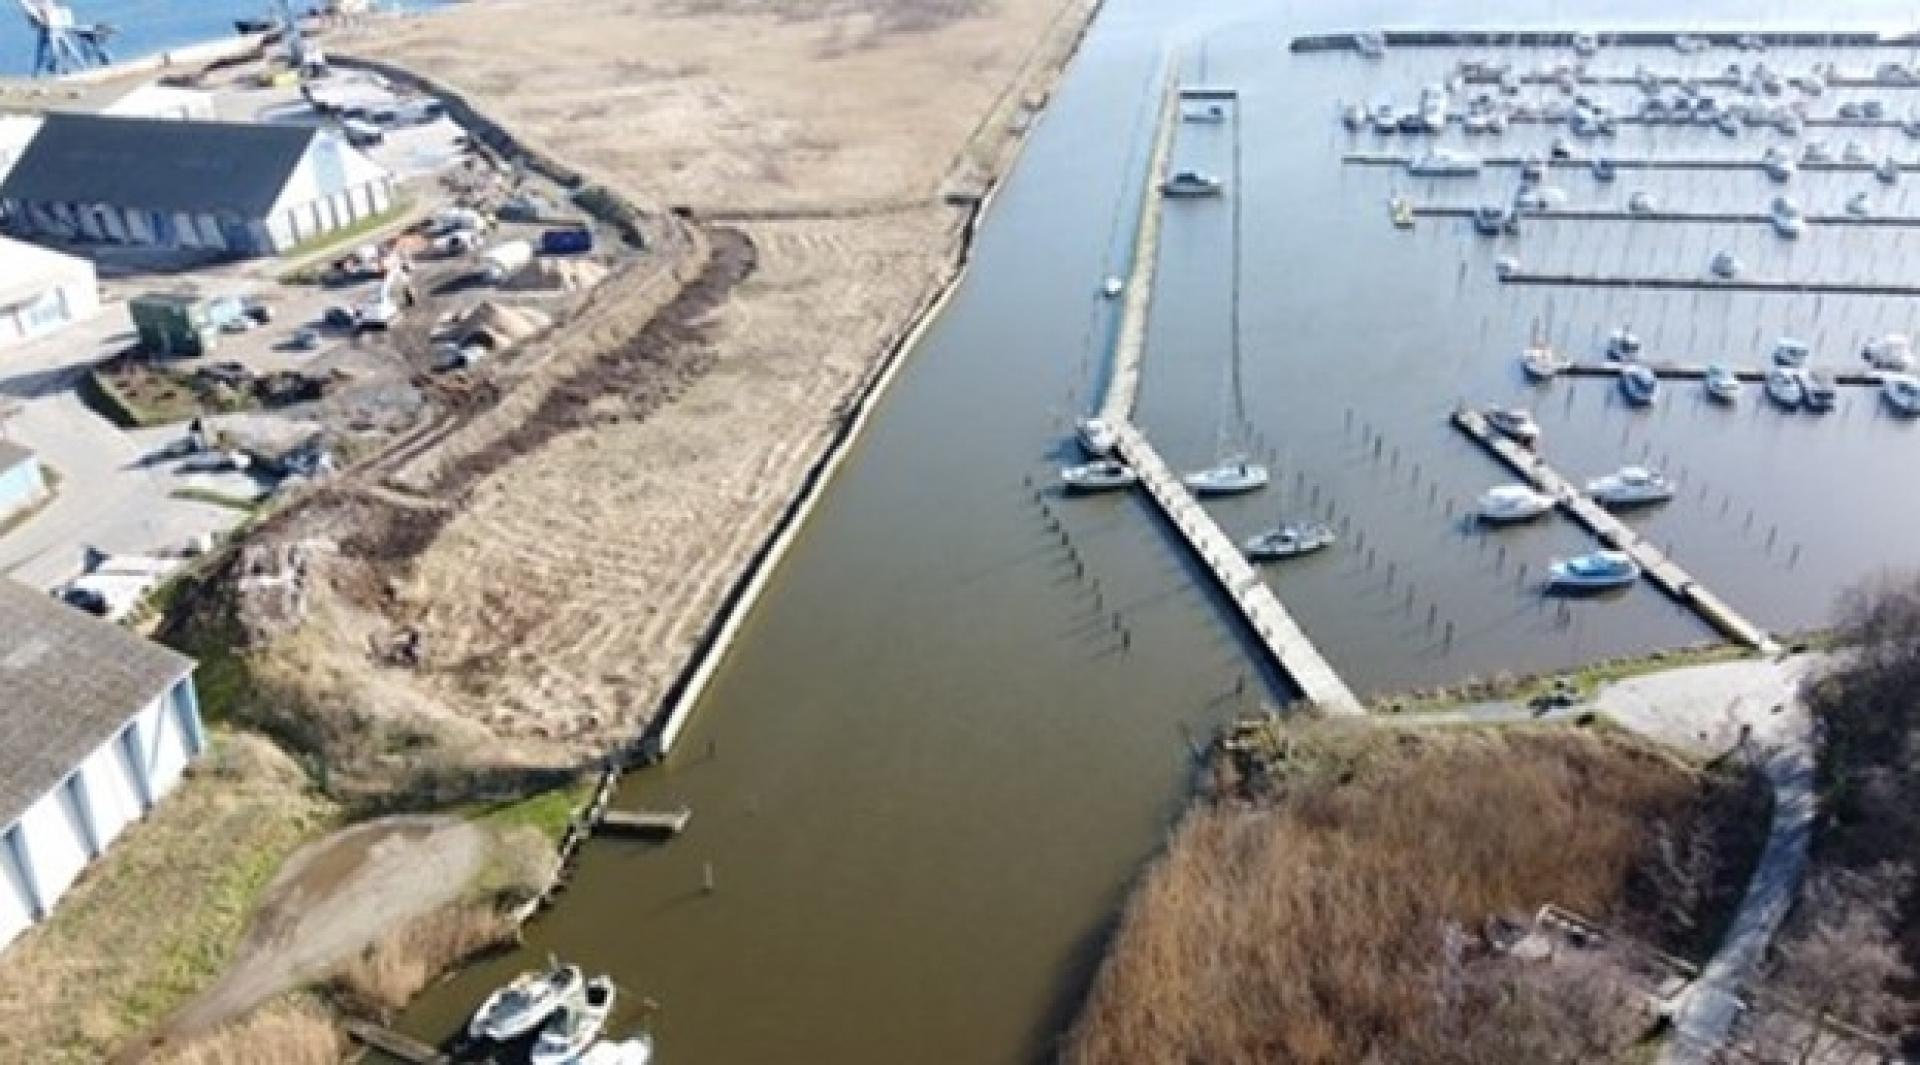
63 46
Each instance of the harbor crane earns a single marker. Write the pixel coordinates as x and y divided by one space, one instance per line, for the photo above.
63 46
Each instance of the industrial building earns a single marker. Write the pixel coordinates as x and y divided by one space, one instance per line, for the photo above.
21 483
96 726
42 291
237 188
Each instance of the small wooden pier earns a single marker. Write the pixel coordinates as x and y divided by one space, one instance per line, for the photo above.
657 824
1708 217
1771 286
393 1044
1278 634
1664 572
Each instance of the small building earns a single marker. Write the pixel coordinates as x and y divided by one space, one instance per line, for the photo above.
237 188
21 483
96 726
174 324
42 291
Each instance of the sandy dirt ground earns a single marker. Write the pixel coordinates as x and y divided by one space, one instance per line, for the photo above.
334 897
559 553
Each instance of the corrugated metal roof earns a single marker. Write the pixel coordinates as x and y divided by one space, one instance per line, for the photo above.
68 682
157 164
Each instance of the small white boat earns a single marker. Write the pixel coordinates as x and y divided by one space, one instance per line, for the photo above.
1533 168
1190 183
1506 503
1722 384
1097 438
1860 205
1891 352
1853 152
1353 116
1228 478
1642 202
1623 345
1541 363
1790 352
1514 422
1370 43
1445 162
1816 151
1778 164
1818 394
1639 384
1592 572
1492 219
1902 393
1603 168
1208 113
1726 265
637 1050
1100 475
1785 387
524 1004
1630 486
1112 287
571 1030
1887 171
1787 218
1728 122
1289 541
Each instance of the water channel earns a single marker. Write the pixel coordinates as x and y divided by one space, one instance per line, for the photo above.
928 771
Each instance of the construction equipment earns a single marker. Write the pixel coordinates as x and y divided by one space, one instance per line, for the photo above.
61 45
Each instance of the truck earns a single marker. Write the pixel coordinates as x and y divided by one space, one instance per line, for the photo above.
502 261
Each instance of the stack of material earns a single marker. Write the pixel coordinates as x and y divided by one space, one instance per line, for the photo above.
558 275
499 325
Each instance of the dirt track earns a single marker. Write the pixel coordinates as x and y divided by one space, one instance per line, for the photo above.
561 545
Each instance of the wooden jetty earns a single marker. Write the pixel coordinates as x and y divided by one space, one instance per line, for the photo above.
1697 371
1714 284
1278 634
393 1044
1492 38
655 823
1665 573
1709 217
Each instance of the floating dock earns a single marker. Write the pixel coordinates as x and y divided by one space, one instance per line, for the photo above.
1695 372
1714 284
1282 638
1716 81
1708 217
1665 573
660 824
393 1044
1487 38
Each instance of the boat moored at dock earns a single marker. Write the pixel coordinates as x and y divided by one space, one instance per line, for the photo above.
1445 162
1640 385
1100 475
1229 478
1630 486
1191 183
525 1003
1541 363
1597 571
1097 437
575 1026
1785 387
1514 422
1289 541
1508 503
1722 384
1894 351
1902 393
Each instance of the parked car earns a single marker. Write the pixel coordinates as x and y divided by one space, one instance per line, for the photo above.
339 317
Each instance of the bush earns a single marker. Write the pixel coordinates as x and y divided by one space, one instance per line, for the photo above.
387 975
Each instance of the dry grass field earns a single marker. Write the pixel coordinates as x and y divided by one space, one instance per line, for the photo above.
1311 926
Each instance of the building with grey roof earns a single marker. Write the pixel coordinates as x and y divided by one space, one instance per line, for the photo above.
96 725
240 188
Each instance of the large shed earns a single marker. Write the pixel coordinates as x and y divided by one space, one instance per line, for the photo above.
41 291
242 188
96 725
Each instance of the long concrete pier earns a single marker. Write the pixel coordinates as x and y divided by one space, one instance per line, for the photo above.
1665 573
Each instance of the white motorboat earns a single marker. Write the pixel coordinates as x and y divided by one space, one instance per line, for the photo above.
524 1004
1817 391
1514 422
1722 384
1639 384
1816 151
1190 183
1289 541
1541 363
1592 572
575 1026
1370 43
1112 286
1506 266
1603 169
1533 168
1623 345
1228 478
1511 503
1097 438
1785 387
1790 352
1860 205
1726 265
637 1050
1100 475
1728 122
1642 202
1353 116
1630 486
1887 171
1891 352
1208 113
1778 164
1853 152
1445 162
1902 393
1787 219
1492 219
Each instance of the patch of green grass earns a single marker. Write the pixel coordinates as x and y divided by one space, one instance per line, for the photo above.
1585 679
339 240
214 497
548 811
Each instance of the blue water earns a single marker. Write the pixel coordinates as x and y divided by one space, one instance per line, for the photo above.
147 26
